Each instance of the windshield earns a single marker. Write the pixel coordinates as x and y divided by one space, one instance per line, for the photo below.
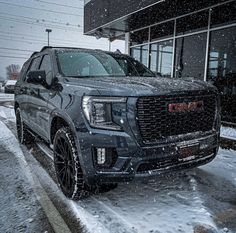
97 64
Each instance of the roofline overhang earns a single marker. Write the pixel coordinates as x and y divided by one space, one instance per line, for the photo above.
101 30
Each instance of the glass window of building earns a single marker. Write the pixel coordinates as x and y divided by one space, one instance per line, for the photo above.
222 69
163 30
192 23
161 54
224 14
136 53
140 53
190 56
139 37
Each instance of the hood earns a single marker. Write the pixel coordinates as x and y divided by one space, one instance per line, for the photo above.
139 86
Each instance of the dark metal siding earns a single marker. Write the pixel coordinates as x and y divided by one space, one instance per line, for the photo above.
101 12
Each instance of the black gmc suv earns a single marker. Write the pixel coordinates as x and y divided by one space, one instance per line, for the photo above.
109 119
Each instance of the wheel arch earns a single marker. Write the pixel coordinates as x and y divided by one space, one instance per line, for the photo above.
16 105
66 121
58 121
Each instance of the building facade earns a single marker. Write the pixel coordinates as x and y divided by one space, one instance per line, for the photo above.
175 38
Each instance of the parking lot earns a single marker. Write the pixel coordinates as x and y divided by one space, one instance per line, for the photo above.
191 201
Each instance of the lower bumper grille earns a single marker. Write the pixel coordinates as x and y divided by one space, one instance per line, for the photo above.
156 122
170 163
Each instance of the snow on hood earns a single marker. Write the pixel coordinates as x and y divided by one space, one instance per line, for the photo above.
135 86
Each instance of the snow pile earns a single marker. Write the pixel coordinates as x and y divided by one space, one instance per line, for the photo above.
6 97
7 113
223 166
91 224
227 132
11 144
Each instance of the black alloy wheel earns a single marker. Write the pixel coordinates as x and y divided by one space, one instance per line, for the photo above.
68 170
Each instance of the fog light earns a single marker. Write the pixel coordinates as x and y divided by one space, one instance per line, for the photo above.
101 156
104 158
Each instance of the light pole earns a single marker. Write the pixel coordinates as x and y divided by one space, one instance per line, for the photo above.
48 31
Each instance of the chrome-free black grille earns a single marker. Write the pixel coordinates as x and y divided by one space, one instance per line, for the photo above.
156 122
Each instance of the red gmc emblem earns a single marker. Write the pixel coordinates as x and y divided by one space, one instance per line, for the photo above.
186 107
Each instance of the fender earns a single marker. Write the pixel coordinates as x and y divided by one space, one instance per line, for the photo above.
63 115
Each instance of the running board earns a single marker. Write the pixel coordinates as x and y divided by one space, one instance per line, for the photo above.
46 150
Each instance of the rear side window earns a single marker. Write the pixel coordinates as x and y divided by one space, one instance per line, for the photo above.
24 71
34 65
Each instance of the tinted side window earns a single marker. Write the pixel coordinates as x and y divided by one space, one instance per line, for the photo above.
34 65
47 66
24 71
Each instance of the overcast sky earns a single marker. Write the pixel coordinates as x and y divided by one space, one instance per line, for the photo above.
23 24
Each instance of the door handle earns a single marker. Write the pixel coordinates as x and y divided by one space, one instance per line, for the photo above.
29 91
23 90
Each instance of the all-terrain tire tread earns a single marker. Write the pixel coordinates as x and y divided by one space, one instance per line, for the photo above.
81 189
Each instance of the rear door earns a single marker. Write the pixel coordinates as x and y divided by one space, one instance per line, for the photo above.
24 88
39 95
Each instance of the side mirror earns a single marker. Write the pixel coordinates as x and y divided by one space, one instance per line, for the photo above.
37 77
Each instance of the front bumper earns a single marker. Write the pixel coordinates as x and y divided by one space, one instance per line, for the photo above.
137 161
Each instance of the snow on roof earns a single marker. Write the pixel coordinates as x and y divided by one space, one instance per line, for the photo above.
11 82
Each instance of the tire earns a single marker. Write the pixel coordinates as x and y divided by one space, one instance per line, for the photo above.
68 170
24 137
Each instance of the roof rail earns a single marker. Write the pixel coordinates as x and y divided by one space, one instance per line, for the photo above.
46 47
34 53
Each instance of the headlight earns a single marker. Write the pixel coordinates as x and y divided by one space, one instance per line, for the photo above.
98 111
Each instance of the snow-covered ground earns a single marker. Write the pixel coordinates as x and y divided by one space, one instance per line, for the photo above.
177 202
229 133
7 112
6 97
